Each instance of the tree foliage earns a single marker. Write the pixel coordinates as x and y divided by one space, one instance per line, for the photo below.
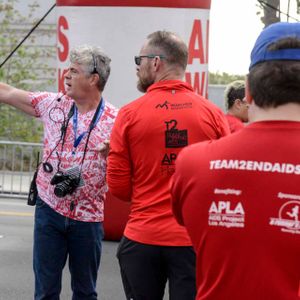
27 69
223 78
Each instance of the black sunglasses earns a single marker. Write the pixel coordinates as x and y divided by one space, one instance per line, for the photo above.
138 59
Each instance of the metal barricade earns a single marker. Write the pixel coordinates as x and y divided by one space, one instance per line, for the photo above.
18 161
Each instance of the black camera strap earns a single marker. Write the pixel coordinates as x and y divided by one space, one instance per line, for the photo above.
64 129
33 192
97 115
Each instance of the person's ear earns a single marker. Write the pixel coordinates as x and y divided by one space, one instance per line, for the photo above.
238 104
94 79
156 62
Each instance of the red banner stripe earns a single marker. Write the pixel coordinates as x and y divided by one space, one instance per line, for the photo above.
205 4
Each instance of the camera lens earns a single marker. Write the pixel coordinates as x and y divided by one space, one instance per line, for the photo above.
67 186
61 189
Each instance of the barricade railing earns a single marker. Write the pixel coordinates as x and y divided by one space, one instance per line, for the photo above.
18 162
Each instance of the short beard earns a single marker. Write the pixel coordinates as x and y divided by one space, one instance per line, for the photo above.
144 82
142 85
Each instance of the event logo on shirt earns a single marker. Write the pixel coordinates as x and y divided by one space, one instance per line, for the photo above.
164 105
288 217
168 164
174 106
169 159
175 138
226 214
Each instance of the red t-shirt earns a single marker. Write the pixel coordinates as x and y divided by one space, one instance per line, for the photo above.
239 199
90 194
146 139
235 124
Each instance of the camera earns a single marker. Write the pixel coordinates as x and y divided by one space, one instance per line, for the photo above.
64 183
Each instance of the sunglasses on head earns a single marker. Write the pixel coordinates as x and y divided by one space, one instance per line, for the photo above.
138 59
95 65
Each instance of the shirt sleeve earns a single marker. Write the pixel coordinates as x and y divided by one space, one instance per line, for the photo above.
41 102
118 162
224 128
216 120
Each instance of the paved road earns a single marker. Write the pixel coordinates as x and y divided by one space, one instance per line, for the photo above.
16 276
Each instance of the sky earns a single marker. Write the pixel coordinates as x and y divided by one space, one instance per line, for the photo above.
234 27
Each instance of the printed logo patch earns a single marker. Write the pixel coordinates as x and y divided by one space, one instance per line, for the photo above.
288 217
164 105
174 106
175 138
226 214
169 159
168 164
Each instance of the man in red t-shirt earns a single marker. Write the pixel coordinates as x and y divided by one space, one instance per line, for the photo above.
239 197
146 139
236 105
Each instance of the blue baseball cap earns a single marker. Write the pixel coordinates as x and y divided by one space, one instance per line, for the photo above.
270 35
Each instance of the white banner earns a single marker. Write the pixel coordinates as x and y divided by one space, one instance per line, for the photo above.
121 32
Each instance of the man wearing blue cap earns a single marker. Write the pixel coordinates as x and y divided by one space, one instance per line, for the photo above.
239 197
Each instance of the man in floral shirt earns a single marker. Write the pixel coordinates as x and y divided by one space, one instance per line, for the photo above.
71 178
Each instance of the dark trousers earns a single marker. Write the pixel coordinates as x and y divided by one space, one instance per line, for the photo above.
145 270
56 238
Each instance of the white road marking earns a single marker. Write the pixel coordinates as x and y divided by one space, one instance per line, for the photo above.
16 213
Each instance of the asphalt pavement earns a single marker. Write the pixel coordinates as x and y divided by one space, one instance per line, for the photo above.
16 275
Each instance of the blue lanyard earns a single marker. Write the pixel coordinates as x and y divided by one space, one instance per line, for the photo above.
96 118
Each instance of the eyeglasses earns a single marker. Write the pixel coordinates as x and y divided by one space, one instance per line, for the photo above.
138 59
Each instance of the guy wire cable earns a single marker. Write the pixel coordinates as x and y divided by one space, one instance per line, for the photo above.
263 3
28 34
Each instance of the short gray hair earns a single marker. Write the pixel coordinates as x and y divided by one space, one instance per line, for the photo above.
92 59
171 45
